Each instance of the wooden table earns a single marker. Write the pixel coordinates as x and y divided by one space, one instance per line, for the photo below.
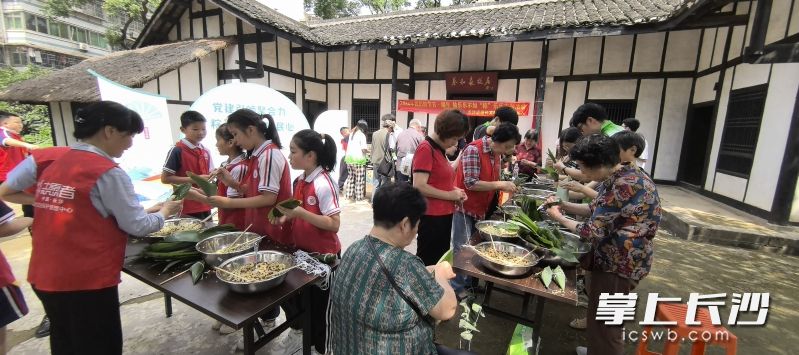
529 287
212 297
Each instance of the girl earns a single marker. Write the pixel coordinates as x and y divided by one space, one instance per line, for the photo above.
92 202
267 179
230 175
314 224
355 186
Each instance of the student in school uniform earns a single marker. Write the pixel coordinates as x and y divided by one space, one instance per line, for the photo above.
314 225
189 155
12 304
92 202
266 181
230 175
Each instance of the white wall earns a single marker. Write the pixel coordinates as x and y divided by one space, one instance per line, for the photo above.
672 128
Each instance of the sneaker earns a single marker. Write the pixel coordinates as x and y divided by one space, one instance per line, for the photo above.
266 324
581 350
290 344
44 328
579 323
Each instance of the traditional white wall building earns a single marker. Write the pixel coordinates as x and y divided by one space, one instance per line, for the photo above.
714 83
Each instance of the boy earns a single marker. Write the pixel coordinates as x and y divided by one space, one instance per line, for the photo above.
631 145
14 149
189 155
501 115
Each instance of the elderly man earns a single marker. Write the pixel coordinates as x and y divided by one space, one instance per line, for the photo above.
407 141
381 150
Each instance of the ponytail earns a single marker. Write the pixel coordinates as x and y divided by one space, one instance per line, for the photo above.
244 118
323 145
269 130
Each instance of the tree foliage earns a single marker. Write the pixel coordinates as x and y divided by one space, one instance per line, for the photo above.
384 6
328 9
127 11
35 118
427 4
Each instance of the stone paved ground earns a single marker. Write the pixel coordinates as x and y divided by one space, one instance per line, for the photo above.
680 267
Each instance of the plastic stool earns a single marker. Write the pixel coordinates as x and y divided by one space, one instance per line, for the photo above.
676 313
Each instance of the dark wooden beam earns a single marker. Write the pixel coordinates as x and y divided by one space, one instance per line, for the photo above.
624 76
404 88
258 37
206 13
789 171
230 74
290 74
717 20
396 55
779 53
757 40
505 74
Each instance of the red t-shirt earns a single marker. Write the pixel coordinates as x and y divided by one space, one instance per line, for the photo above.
12 155
430 158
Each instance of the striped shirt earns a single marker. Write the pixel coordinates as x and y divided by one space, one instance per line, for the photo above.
471 162
367 314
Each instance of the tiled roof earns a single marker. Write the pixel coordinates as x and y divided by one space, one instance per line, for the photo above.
478 20
130 68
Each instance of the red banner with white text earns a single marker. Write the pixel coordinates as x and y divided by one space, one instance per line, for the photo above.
471 108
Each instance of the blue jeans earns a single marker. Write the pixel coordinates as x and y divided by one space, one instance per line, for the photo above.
462 230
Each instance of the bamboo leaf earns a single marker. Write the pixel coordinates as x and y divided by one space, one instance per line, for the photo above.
464 324
477 308
565 255
466 309
274 213
208 188
184 236
467 335
179 191
197 271
446 257
560 277
546 276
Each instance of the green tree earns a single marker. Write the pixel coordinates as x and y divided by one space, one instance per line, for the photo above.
384 6
328 9
127 11
35 118
426 4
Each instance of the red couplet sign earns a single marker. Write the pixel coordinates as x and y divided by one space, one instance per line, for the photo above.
471 108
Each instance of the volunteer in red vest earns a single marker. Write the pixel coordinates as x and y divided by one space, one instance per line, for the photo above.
85 209
314 225
189 155
479 174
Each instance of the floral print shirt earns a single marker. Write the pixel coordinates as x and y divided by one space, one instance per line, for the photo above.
624 219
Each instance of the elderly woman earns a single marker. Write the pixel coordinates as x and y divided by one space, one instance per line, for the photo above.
623 221
528 156
382 297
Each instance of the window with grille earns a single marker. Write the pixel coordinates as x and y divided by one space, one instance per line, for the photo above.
369 111
741 128
618 110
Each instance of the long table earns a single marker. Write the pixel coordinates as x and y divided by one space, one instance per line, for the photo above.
213 298
529 287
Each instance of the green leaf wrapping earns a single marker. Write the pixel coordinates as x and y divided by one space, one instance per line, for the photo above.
208 188
551 155
274 214
197 271
446 257
179 192
546 276
184 236
565 255
467 335
464 324
560 277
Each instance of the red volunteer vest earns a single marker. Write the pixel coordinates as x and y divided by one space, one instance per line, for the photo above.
258 216
234 216
13 156
75 248
306 236
43 158
194 160
478 201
